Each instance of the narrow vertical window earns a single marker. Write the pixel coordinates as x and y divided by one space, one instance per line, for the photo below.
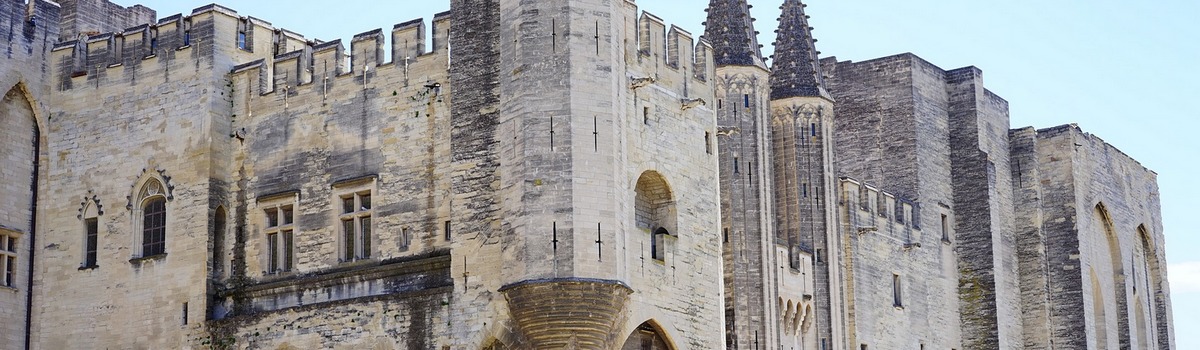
357 210
708 142
725 234
405 240
447 230
185 313
813 129
945 228
897 291
646 115
818 255
273 253
735 165
746 100
90 242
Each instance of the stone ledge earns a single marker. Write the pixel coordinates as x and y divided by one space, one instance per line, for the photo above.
374 278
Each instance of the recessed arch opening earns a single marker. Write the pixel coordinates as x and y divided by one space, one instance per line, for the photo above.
648 336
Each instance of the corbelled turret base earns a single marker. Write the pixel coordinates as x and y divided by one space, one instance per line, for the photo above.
567 313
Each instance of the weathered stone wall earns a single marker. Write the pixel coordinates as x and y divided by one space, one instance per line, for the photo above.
27 33
744 148
1103 207
893 131
90 17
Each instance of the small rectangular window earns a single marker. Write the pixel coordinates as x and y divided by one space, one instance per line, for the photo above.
365 237
447 230
945 228
813 129
9 271
241 40
646 115
348 205
405 240
708 143
288 248
897 291
185 313
272 217
348 240
725 234
746 99
286 213
272 253
818 255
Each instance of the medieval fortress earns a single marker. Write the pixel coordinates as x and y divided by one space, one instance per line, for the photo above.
551 174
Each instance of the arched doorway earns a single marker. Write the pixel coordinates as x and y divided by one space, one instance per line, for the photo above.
648 336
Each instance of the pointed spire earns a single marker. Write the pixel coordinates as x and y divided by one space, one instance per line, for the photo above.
794 69
730 30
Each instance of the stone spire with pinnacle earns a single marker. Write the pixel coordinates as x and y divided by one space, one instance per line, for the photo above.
730 30
795 71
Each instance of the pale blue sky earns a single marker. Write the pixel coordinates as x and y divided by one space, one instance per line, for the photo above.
1123 70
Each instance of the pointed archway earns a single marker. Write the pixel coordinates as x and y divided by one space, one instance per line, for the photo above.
648 336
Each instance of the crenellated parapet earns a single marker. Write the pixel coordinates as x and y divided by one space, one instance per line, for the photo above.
325 66
869 210
220 37
672 56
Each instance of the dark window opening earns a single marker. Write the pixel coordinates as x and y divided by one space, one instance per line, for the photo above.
725 234
185 313
89 259
447 230
813 129
646 115
187 37
657 250
708 142
818 255
897 291
945 228
735 165
746 99
405 239
154 227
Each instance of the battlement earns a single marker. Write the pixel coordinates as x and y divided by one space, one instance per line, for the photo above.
221 35
867 199
331 65
669 55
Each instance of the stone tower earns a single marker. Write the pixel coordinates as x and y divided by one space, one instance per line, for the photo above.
742 103
589 193
802 148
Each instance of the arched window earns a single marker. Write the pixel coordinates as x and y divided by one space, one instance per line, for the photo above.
91 232
150 218
654 211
